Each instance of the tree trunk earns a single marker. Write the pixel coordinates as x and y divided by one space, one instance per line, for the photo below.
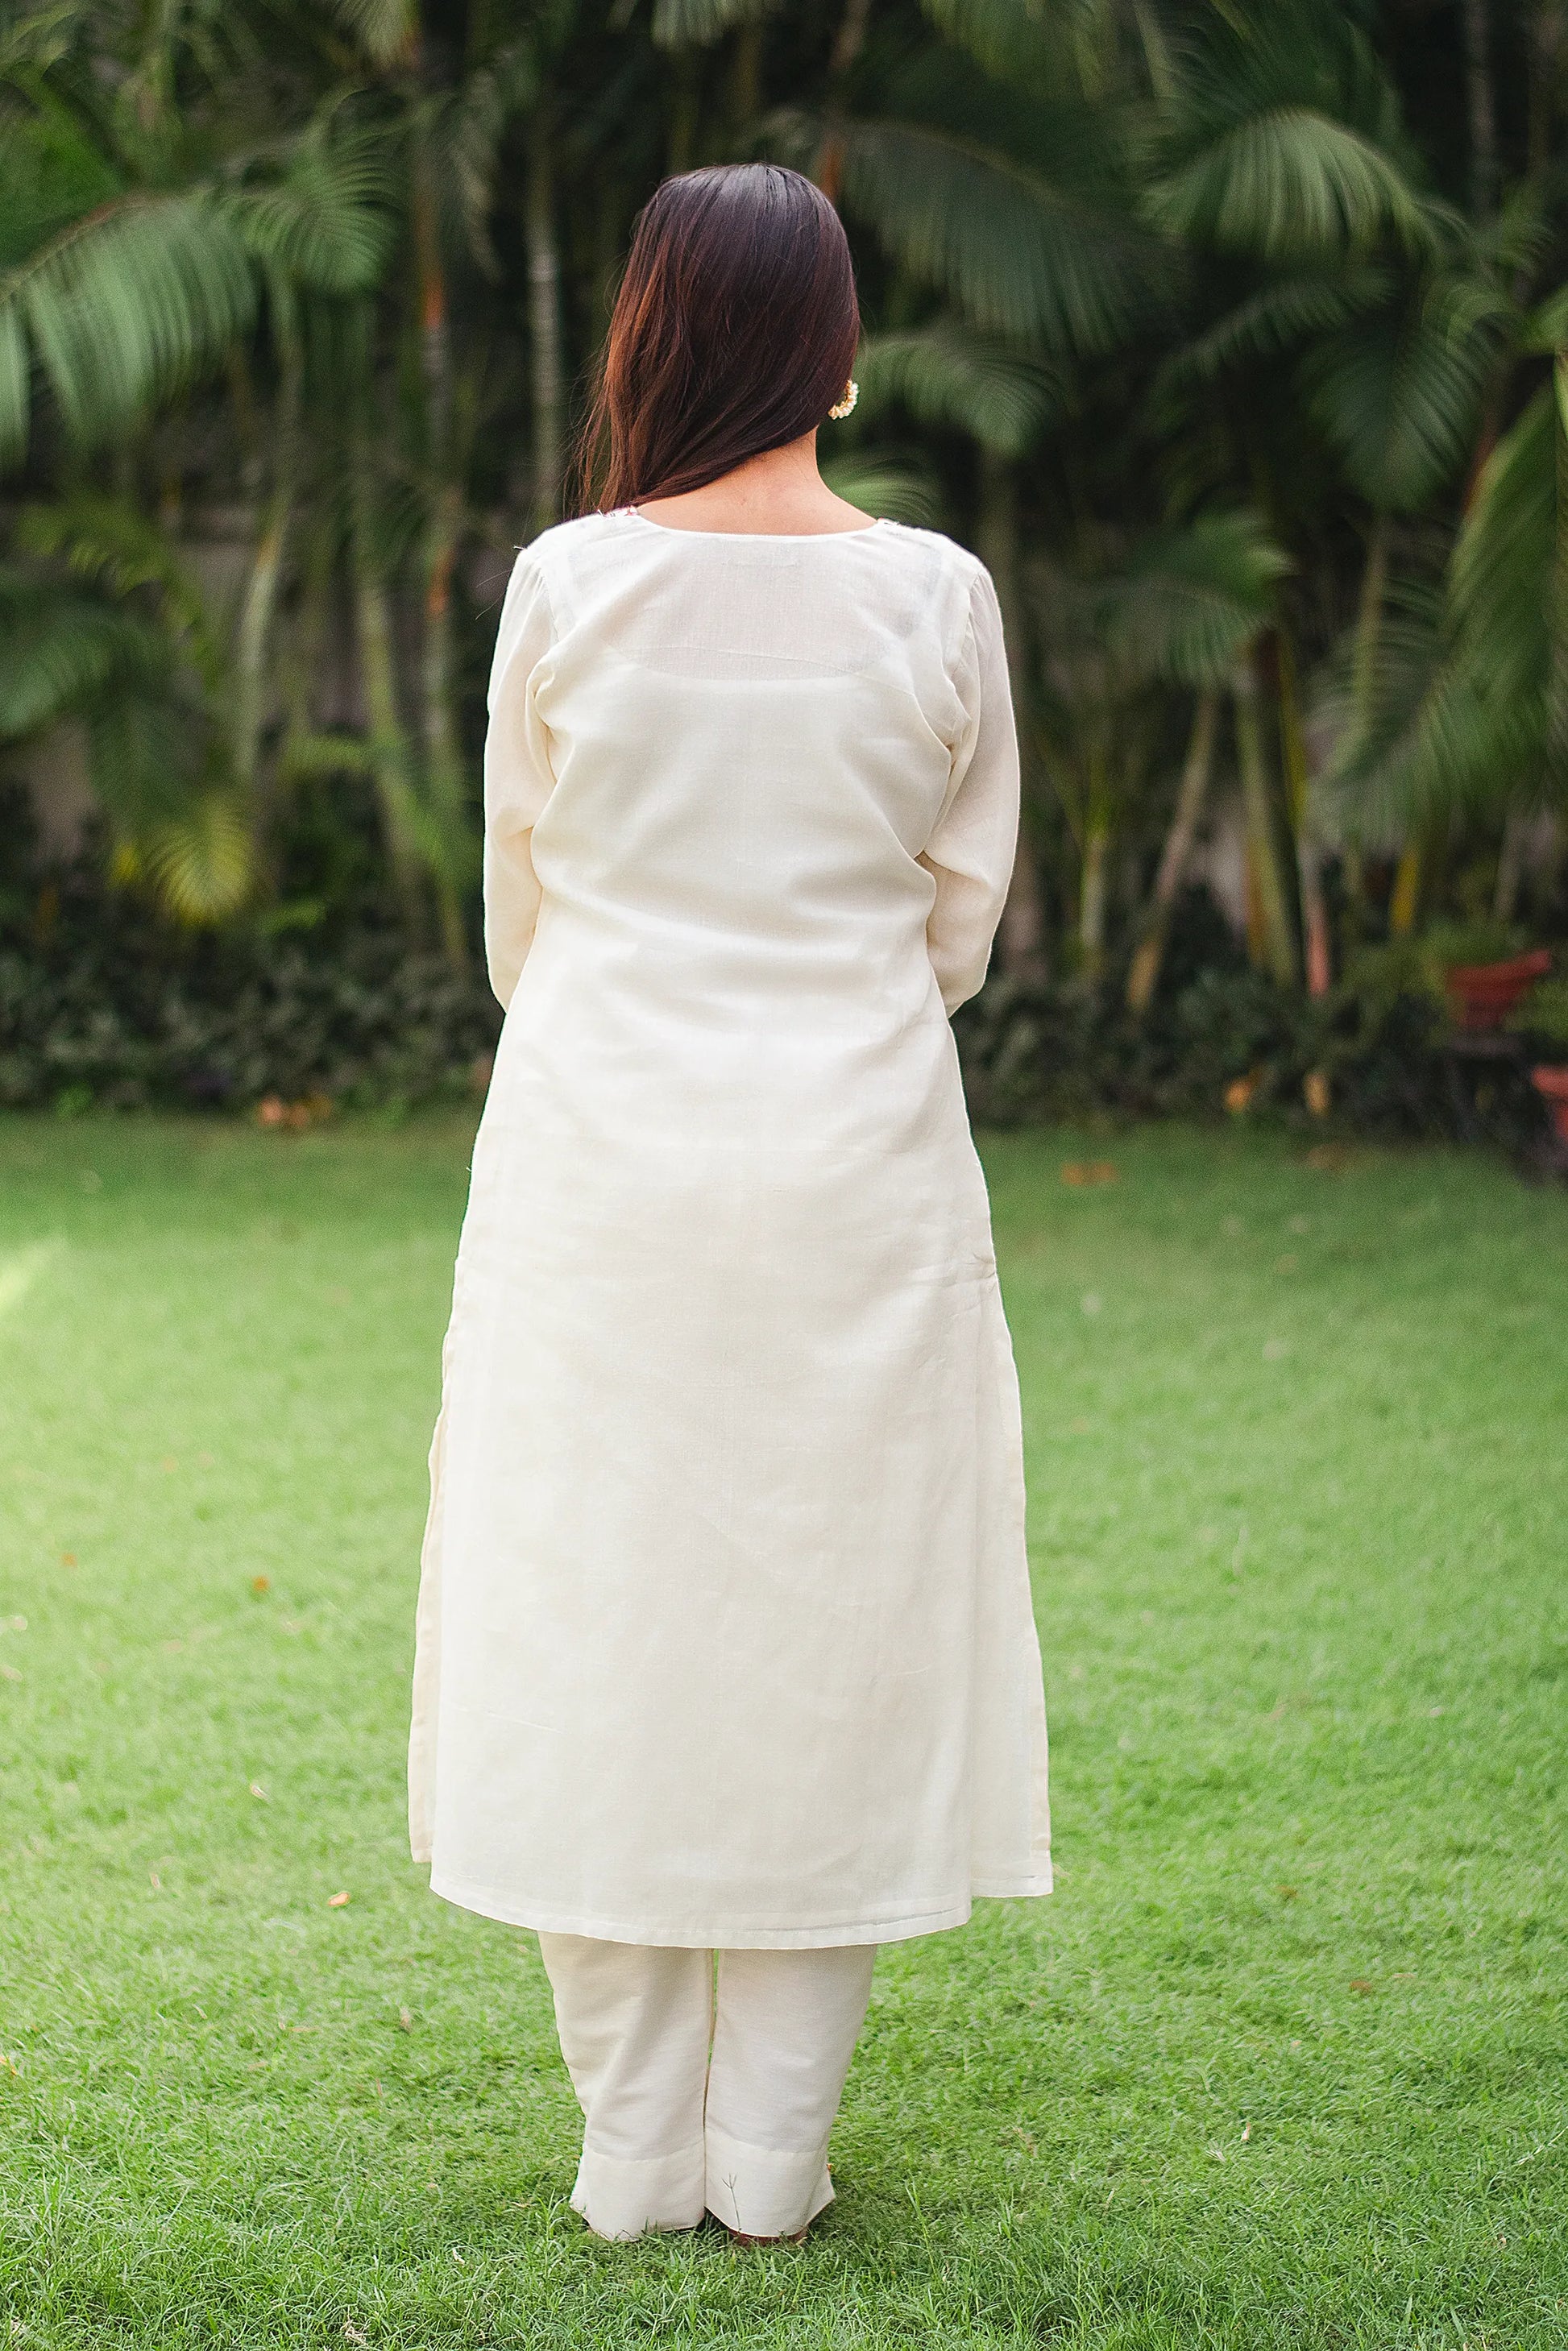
1091 895
1278 939
438 664
1405 903
1144 977
1482 108
1369 626
390 762
681 113
1545 54
1314 910
1363 678
828 171
544 322
253 636
1510 866
1022 933
745 77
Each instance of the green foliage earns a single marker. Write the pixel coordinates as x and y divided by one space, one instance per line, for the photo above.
1173 313
1397 389
116 1014
679 23
1191 599
945 374
1282 142
1543 1015
120 306
1023 258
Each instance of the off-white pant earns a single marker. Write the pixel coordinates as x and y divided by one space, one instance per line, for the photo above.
692 2106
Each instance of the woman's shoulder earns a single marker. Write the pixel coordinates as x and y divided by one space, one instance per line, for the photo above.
552 549
948 572
934 546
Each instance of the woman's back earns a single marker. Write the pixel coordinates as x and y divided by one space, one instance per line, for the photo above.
718 772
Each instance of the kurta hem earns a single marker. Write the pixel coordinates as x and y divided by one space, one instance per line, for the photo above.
724 1934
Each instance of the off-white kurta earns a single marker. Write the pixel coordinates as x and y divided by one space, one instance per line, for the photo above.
724 1636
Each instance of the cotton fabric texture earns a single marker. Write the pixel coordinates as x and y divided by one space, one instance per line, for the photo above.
724 1637
693 2105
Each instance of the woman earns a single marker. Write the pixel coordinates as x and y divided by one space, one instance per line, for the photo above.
724 1637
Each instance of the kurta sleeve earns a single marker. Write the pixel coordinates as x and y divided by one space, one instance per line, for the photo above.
518 776
970 852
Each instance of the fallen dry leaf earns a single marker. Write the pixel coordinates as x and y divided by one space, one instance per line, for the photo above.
156 1882
405 2019
67 1559
351 2333
259 1583
336 1901
259 1792
1360 1986
1286 1893
1246 2133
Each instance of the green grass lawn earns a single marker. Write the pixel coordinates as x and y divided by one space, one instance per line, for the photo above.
1280 2064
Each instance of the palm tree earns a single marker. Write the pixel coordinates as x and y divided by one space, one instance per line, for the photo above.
143 267
1194 604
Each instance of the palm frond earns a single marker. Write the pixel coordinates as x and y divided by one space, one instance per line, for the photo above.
946 374
1501 577
1398 392
308 756
882 486
1021 259
384 29
326 223
471 135
1464 712
1276 318
693 24
1287 184
203 865
32 43
62 652
1016 40
120 306
1189 599
1546 328
114 545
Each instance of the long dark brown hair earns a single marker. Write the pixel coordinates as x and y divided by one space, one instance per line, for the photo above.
734 331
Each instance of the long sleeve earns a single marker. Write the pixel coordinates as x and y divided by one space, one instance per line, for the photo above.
970 852
518 776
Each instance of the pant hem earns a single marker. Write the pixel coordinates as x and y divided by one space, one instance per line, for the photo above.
763 2193
620 2197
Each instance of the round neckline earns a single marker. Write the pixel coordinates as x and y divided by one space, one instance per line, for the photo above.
778 538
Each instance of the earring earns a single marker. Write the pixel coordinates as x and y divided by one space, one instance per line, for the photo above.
841 408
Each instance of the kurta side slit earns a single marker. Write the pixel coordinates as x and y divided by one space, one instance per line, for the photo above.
725 1630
